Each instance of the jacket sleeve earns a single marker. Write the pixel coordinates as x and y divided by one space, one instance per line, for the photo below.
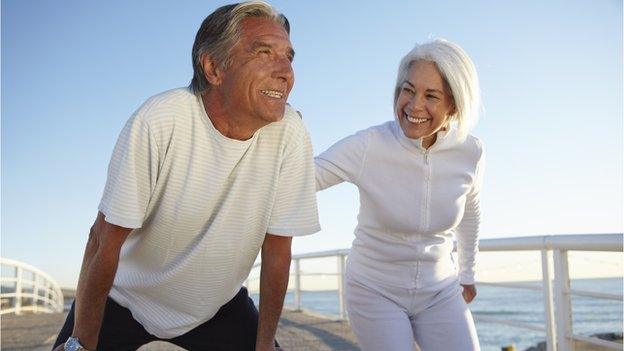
468 229
342 162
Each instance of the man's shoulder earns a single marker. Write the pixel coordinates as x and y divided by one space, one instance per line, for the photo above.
168 104
290 125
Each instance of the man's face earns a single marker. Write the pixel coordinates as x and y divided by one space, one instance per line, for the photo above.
259 78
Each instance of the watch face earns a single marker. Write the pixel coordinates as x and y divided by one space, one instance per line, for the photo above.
72 344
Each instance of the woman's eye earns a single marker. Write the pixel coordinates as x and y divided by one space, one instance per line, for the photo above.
433 97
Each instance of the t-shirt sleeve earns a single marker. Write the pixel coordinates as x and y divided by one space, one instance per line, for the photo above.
469 227
342 162
294 210
132 175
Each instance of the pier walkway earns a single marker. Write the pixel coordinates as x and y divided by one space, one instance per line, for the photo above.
297 331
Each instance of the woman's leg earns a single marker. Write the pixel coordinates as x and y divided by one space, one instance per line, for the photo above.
447 324
377 319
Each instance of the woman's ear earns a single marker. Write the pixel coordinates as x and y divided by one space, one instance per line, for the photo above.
453 110
212 71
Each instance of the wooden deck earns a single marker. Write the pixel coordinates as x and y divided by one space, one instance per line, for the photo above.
297 331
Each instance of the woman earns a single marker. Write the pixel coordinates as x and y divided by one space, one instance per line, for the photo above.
419 178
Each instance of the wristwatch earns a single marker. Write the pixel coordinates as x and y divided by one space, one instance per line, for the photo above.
73 344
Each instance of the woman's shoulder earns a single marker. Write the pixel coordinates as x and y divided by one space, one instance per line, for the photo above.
473 145
376 131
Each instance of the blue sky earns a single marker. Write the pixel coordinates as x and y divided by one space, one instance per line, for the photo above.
551 77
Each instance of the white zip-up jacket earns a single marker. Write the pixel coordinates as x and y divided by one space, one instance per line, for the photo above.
413 202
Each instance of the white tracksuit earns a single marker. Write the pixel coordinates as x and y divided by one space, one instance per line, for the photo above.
402 284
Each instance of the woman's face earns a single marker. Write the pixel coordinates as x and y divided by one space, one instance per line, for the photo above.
424 103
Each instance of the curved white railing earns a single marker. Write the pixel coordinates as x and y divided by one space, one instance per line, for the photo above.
28 289
555 281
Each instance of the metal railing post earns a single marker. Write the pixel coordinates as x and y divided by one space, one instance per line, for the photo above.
35 293
547 291
297 285
46 289
563 306
341 270
18 290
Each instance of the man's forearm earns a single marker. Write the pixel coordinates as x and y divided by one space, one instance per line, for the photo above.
97 274
273 284
96 279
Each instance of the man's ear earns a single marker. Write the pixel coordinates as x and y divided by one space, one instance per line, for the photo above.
212 71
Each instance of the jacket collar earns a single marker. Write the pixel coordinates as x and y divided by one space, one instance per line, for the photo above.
445 139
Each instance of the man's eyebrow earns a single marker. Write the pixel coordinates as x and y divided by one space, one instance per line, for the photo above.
409 83
261 44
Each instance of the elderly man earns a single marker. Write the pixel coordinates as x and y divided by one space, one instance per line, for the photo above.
200 180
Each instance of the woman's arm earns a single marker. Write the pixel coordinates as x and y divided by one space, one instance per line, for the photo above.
468 232
342 162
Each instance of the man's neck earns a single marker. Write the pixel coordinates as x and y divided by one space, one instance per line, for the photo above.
229 124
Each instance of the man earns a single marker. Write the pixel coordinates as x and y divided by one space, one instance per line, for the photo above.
200 180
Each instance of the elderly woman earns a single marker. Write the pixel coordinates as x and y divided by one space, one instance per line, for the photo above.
419 178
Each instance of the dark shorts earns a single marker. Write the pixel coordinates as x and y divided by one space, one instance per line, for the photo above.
233 328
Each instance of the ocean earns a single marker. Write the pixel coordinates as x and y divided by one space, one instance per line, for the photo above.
590 315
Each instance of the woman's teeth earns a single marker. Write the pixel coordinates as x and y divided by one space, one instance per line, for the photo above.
416 120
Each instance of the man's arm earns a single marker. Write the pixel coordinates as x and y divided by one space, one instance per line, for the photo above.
96 279
273 284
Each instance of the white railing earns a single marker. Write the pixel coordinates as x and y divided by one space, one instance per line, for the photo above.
555 281
28 289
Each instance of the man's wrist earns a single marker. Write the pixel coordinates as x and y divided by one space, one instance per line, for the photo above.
74 344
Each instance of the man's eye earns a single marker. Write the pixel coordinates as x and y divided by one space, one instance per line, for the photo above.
408 90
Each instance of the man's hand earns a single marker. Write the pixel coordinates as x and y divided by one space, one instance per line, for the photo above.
469 293
273 283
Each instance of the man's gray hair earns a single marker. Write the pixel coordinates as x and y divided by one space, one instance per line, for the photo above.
459 74
220 31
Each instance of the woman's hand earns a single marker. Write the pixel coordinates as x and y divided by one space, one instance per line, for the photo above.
469 293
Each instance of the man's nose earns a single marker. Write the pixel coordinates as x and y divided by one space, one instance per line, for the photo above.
284 70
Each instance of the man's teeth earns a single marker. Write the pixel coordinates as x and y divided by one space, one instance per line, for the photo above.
273 93
416 120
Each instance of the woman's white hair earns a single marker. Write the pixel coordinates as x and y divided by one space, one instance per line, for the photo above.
458 72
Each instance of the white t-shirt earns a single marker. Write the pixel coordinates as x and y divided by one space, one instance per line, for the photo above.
412 202
201 204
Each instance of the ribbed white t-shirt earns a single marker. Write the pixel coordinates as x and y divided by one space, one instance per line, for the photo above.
413 201
201 204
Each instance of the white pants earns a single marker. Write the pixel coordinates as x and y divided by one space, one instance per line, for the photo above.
396 319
